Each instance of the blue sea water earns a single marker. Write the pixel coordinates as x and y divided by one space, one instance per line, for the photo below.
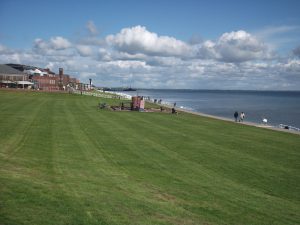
279 107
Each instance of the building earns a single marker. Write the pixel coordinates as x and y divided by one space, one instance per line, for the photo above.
47 82
10 77
38 78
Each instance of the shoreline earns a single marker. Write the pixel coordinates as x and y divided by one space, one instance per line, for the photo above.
247 123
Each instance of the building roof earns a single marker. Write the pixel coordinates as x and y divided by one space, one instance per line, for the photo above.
20 67
4 69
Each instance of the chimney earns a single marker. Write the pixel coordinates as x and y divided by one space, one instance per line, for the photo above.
60 82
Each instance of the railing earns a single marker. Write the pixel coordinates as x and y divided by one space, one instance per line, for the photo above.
98 94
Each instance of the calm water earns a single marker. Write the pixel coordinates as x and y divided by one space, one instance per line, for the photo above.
277 106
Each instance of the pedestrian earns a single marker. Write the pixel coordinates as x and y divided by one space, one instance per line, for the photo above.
265 121
242 116
236 114
174 111
174 104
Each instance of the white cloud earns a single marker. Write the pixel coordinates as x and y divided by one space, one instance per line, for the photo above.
40 44
240 46
279 37
92 28
2 49
271 31
139 40
59 43
164 61
104 54
55 46
129 64
206 50
196 70
5 50
236 46
84 50
292 65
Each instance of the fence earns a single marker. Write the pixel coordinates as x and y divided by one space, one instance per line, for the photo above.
99 94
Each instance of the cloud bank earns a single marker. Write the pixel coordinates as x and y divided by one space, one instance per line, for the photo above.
143 58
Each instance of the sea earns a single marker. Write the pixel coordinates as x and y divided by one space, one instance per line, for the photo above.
278 107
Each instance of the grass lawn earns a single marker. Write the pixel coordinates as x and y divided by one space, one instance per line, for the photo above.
63 161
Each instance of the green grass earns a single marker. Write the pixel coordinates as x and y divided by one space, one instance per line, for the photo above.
63 161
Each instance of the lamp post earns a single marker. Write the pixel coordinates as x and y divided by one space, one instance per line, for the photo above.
90 83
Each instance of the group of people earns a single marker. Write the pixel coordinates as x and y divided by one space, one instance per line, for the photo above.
236 115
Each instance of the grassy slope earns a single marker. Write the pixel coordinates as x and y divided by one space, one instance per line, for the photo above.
62 161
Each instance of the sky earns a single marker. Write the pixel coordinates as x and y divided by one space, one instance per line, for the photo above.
179 44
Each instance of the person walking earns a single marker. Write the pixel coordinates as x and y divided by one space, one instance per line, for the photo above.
242 116
236 114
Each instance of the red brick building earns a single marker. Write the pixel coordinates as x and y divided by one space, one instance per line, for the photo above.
54 82
47 82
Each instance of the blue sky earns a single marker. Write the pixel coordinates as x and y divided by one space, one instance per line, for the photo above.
240 44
